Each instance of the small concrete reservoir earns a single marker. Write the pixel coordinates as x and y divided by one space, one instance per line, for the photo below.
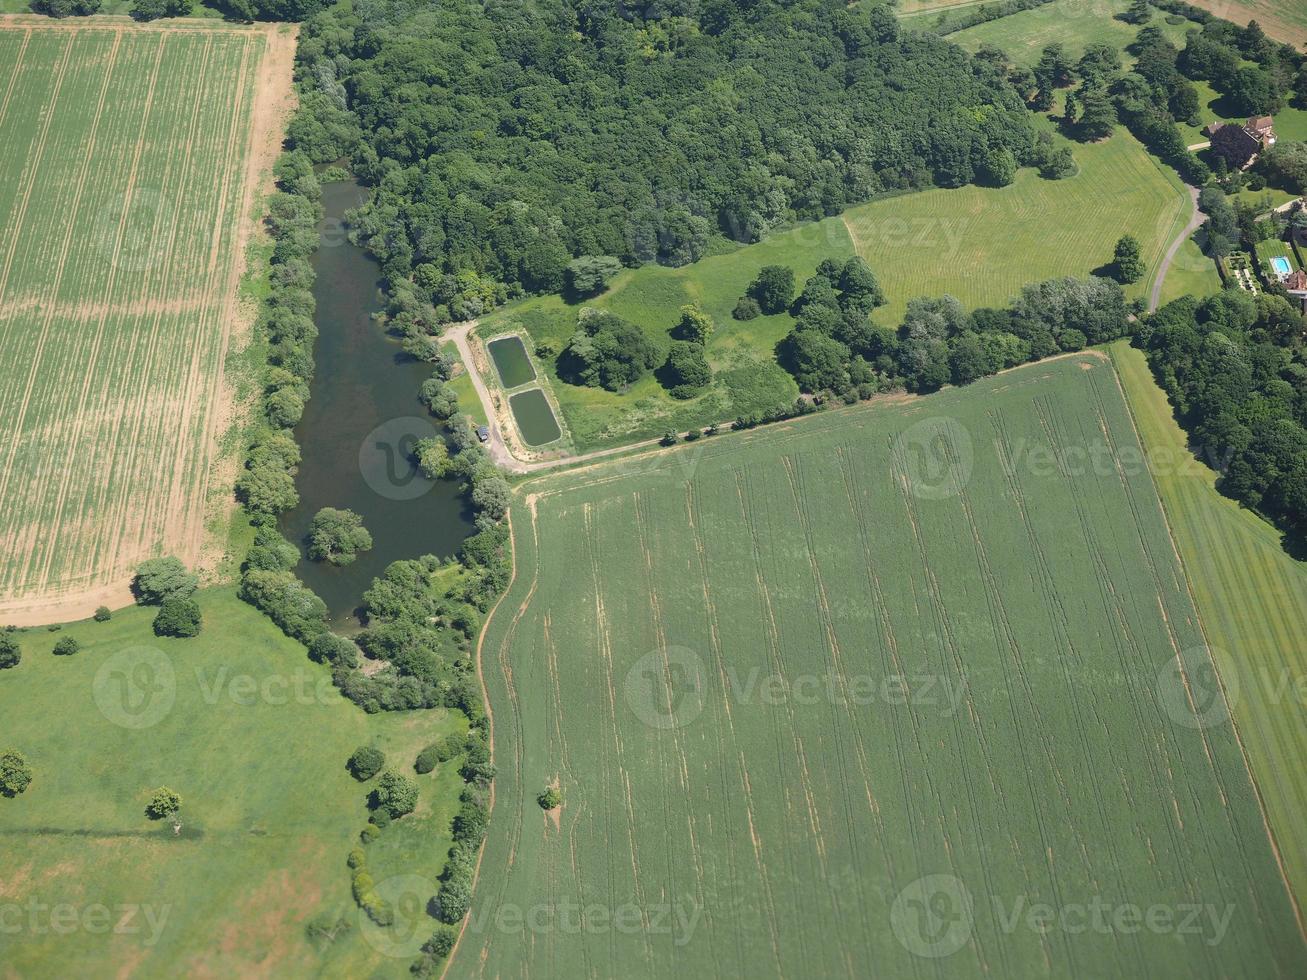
534 417
511 361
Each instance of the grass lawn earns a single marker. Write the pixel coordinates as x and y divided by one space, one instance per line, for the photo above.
1251 597
468 402
851 689
983 244
254 737
1075 23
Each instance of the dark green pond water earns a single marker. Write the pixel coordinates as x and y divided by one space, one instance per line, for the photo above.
359 426
511 361
535 419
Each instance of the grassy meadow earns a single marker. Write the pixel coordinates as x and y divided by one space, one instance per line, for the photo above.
254 737
1076 24
126 150
859 689
1251 596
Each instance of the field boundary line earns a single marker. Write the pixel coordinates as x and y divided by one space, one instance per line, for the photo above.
13 76
1229 710
485 696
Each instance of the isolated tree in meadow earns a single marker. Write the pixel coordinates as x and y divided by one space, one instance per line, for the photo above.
15 773
773 288
686 371
165 805
66 647
178 617
158 579
337 536
695 326
365 763
746 309
1129 265
10 654
396 794
102 614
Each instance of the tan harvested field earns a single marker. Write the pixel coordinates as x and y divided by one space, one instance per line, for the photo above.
133 157
1284 20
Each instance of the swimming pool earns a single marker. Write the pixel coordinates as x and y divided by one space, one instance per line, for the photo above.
1281 266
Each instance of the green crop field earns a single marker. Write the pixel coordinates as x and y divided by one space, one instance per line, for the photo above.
254 737
125 151
1251 596
915 684
980 244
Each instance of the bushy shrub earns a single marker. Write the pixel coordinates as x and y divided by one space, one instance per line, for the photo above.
102 614
178 617
366 762
10 653
66 647
426 760
15 773
395 794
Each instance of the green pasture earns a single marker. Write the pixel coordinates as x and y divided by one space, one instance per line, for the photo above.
254 737
1251 596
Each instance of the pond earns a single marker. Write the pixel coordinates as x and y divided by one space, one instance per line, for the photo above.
534 417
359 426
511 361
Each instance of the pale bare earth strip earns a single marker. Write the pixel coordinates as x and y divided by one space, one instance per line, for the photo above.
81 590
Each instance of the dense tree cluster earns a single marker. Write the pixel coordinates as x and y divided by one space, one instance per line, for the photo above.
337 536
1235 369
267 485
835 348
607 352
506 143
